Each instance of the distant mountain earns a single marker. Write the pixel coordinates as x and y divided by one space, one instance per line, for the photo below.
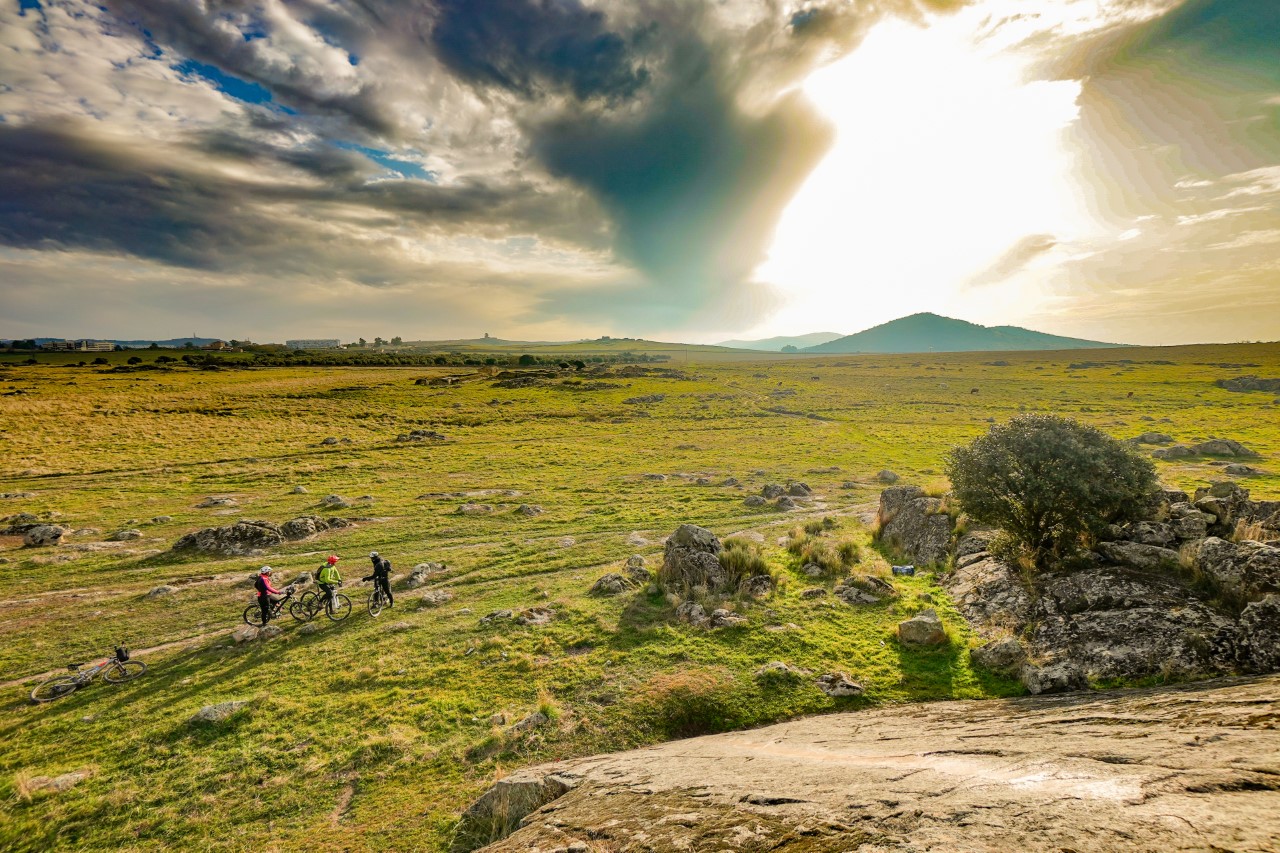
172 343
776 344
931 333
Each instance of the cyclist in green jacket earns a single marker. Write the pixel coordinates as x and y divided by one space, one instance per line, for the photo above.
329 579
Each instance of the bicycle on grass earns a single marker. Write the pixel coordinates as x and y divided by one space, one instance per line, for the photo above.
310 604
253 613
116 669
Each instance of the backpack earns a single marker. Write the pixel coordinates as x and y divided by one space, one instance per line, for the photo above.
386 566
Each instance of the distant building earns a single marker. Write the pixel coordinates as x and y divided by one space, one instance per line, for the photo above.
220 346
314 343
80 346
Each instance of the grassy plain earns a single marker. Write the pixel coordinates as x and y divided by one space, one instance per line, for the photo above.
373 734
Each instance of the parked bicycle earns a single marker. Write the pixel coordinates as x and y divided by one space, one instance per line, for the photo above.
378 600
253 613
310 604
116 669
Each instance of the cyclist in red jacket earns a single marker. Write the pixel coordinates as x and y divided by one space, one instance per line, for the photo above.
266 593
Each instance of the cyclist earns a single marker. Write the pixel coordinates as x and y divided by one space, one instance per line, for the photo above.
381 576
329 578
266 592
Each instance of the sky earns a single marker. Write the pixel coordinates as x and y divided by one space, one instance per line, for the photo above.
669 169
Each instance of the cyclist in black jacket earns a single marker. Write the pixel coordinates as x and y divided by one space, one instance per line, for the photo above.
382 576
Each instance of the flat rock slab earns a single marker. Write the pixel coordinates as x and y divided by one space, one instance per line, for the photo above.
1186 768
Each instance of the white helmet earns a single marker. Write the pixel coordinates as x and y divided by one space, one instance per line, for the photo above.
265 570
373 553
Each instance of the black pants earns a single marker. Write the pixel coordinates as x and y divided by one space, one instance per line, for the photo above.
384 583
264 604
326 592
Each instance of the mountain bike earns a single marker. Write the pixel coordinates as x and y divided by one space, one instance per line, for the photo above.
311 604
378 600
116 669
253 613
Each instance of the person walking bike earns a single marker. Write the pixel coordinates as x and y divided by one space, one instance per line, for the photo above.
381 578
329 580
267 594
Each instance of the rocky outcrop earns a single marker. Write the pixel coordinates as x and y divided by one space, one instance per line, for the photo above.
923 629
43 535
692 559
915 524
252 537
1243 571
1248 383
1094 773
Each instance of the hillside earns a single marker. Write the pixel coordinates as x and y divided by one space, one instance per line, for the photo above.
776 344
932 333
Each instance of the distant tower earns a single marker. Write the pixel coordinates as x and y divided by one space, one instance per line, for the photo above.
486 334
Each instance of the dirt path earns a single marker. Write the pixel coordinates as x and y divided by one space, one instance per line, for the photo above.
186 642
1187 768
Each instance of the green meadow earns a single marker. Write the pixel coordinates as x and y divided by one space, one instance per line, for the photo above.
373 734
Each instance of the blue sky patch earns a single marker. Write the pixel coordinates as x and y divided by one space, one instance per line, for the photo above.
241 90
404 168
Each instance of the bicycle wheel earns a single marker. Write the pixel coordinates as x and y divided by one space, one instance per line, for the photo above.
298 610
377 601
122 672
253 615
339 607
54 688
310 601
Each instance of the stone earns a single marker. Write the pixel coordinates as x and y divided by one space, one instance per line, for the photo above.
611 584
923 629
730 482
772 490
535 616
799 490
1260 635
125 535
785 502
1149 533
915 525
303 579
812 570
503 807
887 477
863 589
839 685
1241 570
475 509
306 526
814 592
724 618
269 632
778 671
436 597
1221 447
535 720
691 558
530 510
162 519
635 570
1137 555
244 633
1058 677
496 616
1177 451
754 501
1240 469
1154 438
162 592
300 490
218 712
1005 656
657 477
758 586
55 784
241 538
334 502
43 535
208 503
692 613
310 628
329 442
1248 383
421 574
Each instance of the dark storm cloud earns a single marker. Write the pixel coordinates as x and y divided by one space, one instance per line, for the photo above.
527 45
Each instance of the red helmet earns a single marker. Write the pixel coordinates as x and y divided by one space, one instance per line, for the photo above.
333 558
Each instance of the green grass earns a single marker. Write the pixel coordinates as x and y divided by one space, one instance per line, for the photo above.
373 735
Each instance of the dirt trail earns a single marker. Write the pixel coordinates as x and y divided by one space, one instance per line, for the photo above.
1187 768
173 644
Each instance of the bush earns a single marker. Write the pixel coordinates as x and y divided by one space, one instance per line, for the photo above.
687 703
741 559
1049 481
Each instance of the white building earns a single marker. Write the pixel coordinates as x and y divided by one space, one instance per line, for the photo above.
314 343
80 346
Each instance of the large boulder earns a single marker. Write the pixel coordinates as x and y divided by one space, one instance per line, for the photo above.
505 805
692 559
1244 571
915 524
1005 656
43 535
243 537
1056 677
611 584
1260 635
1137 555
1222 447
991 596
218 712
923 629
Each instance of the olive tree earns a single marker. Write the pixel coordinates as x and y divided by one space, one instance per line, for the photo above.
1048 481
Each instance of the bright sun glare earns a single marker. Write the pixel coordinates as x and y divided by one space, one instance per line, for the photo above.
945 157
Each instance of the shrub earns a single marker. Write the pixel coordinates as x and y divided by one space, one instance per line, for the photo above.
741 559
1048 481
688 702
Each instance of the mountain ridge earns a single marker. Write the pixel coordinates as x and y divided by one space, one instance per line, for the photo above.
928 332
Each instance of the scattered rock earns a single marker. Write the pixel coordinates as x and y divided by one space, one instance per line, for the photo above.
1260 635
839 685
306 526
799 490
300 490
863 589
1178 451
730 482
1248 383
923 629
241 538
535 616
691 559
755 501
758 586
162 519
1239 469
334 502
309 628
43 535
691 612
244 633
1154 438
772 490
56 784
635 570
815 592
530 509
496 616
436 597
125 535
217 501
888 477
162 591
777 671
724 618
611 584
655 476
566 541
645 398
475 509
422 573
269 632
1148 557
535 720
16 495
219 712
1059 677
785 502
1241 570
1221 447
